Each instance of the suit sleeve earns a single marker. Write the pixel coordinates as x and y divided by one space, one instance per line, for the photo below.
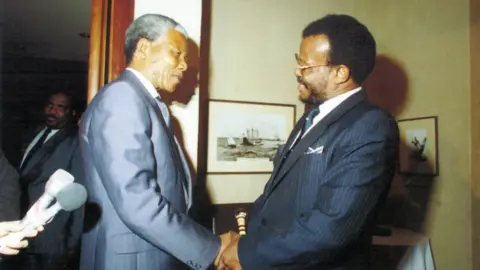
76 217
123 154
9 191
354 186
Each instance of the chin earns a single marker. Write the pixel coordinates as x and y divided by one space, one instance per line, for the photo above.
304 99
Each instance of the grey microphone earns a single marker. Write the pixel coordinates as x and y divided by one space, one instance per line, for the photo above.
69 198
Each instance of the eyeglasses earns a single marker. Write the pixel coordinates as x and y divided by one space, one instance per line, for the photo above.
304 67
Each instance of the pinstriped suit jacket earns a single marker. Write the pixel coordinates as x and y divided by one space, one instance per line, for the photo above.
318 210
136 176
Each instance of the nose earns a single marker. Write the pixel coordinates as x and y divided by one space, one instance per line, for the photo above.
182 65
298 72
51 110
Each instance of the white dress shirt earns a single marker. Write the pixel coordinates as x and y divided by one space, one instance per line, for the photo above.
327 107
146 83
35 140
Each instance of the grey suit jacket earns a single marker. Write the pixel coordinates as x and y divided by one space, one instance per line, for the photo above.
9 191
136 176
61 151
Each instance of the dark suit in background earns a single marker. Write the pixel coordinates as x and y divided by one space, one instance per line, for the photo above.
9 191
59 152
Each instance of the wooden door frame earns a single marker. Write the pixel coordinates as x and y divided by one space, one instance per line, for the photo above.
109 20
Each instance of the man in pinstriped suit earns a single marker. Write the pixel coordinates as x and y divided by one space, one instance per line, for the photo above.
319 207
135 170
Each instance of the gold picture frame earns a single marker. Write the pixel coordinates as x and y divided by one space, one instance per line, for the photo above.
418 146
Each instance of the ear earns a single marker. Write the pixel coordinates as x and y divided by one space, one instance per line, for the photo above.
142 49
342 74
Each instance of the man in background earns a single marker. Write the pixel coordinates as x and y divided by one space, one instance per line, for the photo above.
319 207
53 146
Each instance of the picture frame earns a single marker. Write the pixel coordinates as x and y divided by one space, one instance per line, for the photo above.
243 137
418 153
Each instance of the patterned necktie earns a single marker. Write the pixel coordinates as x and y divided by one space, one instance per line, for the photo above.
308 123
36 147
309 120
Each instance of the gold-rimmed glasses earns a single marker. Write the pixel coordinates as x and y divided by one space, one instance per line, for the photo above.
304 67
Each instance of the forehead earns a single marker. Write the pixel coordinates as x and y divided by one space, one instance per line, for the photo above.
315 48
176 39
60 99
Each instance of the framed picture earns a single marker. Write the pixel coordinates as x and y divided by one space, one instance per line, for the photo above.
418 146
243 137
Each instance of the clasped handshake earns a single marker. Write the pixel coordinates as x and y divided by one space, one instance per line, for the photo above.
227 258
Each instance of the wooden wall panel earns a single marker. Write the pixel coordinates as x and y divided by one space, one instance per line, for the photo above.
120 18
110 19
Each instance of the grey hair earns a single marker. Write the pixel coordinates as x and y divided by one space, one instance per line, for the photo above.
151 27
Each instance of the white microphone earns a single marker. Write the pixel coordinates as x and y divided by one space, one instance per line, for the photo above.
69 198
57 181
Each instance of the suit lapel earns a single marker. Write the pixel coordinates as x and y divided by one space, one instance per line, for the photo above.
29 138
286 148
34 166
130 78
316 132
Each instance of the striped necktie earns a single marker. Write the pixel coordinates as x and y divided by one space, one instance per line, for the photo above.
309 120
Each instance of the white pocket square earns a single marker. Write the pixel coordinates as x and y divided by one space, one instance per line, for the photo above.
317 150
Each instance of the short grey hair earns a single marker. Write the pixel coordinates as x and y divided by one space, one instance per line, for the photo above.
151 27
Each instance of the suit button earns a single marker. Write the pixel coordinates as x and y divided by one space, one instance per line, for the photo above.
263 222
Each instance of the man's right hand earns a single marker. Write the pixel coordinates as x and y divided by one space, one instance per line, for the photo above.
11 245
225 239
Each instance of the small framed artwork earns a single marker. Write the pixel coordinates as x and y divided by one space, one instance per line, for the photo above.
418 146
243 137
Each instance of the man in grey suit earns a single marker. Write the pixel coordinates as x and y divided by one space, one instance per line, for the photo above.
135 170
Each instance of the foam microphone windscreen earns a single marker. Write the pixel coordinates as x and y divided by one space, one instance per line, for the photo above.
72 197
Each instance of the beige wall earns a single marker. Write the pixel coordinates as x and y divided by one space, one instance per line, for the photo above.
475 126
252 46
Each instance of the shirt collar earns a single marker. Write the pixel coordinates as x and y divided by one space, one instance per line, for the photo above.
146 83
330 104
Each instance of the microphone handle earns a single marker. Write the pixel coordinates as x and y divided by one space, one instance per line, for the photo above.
44 201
